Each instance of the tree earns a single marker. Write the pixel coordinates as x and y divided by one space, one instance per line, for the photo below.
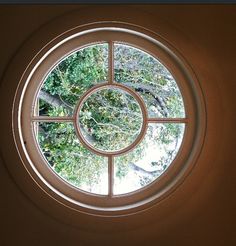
109 119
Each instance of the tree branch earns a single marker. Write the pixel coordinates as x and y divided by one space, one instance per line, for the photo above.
54 101
148 90
143 171
57 102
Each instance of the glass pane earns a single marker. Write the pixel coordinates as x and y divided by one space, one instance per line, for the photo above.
70 160
110 119
147 76
148 160
73 76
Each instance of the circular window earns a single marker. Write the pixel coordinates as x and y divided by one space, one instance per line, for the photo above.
107 120
110 120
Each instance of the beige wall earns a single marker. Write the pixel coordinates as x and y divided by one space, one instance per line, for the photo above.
202 211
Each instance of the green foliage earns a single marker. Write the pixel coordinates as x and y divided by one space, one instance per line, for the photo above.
136 67
109 119
112 118
78 72
67 156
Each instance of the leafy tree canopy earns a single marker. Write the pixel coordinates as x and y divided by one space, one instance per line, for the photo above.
110 119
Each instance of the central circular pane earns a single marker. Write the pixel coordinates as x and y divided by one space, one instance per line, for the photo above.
110 119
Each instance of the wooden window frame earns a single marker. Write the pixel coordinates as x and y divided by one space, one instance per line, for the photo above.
34 161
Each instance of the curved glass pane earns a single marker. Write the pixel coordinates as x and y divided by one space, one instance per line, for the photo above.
72 76
149 159
110 119
147 76
69 159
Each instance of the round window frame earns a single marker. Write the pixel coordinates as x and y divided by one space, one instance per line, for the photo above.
134 143
146 197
